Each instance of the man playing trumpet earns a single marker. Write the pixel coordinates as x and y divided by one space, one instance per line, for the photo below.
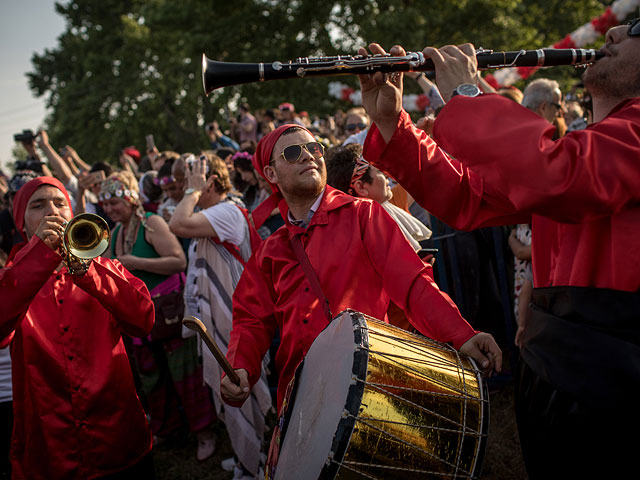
77 415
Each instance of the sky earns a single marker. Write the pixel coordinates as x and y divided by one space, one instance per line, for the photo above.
26 27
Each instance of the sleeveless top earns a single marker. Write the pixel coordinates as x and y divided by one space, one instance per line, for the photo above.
142 249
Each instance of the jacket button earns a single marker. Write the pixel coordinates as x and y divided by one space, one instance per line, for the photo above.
305 321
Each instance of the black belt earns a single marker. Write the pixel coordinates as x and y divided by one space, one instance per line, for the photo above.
586 342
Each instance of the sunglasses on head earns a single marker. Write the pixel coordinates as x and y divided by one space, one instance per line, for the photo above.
164 180
292 153
634 27
352 126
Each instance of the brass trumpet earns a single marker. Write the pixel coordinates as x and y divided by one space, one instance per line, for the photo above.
84 238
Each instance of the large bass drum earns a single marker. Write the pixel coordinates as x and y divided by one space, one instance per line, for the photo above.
373 401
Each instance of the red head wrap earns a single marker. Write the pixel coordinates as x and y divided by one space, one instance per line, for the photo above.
21 199
261 159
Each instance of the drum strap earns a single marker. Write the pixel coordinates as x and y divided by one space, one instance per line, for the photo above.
298 249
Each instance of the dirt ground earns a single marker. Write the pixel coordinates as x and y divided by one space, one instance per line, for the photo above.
175 460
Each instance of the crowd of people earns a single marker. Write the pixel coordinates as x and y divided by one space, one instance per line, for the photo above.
442 227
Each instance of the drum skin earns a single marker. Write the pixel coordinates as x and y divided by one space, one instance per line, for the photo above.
413 408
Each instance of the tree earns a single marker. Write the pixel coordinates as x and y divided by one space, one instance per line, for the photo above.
126 68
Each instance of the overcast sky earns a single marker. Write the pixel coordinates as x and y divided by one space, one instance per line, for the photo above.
26 26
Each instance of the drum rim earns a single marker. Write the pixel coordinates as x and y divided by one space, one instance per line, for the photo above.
476 471
342 437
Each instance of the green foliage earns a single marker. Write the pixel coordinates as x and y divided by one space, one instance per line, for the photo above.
126 68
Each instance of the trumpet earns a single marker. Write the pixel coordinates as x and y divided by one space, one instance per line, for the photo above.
222 74
84 238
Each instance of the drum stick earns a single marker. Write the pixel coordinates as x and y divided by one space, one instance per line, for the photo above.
196 325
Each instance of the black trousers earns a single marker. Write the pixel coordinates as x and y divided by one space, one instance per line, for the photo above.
6 427
578 385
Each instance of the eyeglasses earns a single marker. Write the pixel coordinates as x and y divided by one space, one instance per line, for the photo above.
557 105
352 126
634 27
292 153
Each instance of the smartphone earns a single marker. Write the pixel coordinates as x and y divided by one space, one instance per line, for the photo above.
151 144
98 177
424 252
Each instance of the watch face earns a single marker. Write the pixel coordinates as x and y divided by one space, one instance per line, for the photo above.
468 90
189 191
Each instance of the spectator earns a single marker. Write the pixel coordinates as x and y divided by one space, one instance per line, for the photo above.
222 244
248 126
543 96
171 190
6 412
349 172
244 168
89 189
10 236
144 244
289 115
356 121
150 191
219 139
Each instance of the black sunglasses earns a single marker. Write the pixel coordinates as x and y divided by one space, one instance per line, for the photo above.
292 153
634 27
352 126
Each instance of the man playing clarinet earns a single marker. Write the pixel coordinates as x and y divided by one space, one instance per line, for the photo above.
580 375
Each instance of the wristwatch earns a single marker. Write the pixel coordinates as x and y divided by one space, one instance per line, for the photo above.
189 191
467 90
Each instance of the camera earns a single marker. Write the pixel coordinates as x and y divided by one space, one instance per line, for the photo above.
25 136
29 164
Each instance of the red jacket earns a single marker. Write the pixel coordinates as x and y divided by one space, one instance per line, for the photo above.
76 412
581 193
361 259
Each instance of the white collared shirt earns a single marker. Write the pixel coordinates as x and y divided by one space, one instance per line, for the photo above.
312 210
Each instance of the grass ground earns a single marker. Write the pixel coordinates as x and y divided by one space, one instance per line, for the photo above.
176 460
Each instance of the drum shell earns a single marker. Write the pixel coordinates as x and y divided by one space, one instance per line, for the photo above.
416 415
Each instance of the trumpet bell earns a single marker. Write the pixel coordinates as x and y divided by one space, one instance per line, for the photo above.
86 236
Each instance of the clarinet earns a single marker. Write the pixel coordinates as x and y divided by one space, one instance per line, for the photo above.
222 74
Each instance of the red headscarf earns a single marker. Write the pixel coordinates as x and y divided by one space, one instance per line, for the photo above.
21 199
261 159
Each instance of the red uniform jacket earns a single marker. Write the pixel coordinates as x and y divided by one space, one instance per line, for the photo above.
581 193
361 259
77 415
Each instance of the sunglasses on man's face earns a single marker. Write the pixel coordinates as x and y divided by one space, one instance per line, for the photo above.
634 27
292 153
352 126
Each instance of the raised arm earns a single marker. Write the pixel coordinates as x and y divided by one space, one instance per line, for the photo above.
59 166
512 149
